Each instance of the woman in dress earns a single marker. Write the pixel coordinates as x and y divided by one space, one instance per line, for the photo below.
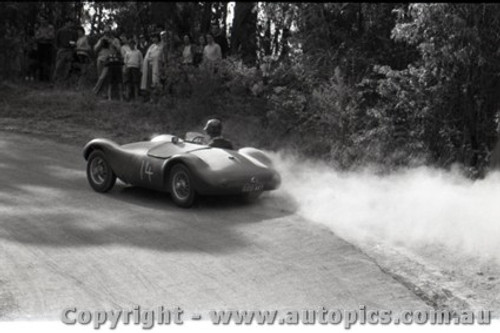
152 65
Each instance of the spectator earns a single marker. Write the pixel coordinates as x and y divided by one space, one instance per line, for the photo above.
65 42
125 47
103 54
188 51
115 78
165 55
133 64
44 37
83 50
211 52
198 51
142 45
151 65
105 47
220 38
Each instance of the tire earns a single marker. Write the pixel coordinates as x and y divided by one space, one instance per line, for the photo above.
181 186
99 174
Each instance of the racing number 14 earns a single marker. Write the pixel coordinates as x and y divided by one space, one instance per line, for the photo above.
146 170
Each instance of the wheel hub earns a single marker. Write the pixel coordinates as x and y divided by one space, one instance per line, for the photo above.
181 186
98 171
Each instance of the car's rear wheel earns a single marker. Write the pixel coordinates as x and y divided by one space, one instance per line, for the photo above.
99 174
181 186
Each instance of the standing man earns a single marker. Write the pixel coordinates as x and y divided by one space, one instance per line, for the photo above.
133 65
106 47
65 42
44 37
103 53
115 75
125 46
220 38
211 53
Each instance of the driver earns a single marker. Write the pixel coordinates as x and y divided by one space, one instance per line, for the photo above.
214 130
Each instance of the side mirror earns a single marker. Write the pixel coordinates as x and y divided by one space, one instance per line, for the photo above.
175 140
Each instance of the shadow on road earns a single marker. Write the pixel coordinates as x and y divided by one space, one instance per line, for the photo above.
45 200
274 204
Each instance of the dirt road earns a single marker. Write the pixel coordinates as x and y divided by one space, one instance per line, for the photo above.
62 244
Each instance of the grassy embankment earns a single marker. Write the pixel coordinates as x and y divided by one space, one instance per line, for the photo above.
78 116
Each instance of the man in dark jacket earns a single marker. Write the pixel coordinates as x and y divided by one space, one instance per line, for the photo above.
214 130
220 38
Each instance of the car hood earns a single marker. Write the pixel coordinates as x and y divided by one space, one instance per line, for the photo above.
168 149
161 149
218 159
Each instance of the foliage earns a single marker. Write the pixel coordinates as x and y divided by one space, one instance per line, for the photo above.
351 36
392 84
457 76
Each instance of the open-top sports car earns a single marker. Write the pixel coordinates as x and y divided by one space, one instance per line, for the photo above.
184 168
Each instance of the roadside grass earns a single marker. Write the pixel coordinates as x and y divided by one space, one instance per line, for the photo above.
67 115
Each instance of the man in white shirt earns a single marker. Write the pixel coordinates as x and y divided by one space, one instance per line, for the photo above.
212 51
133 63
125 45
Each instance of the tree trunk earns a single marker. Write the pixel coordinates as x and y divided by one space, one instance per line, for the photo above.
244 32
267 39
206 17
284 44
276 41
224 18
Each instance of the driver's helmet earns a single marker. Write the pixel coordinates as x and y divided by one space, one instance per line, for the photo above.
213 127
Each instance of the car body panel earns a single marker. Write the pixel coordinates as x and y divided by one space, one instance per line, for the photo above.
215 171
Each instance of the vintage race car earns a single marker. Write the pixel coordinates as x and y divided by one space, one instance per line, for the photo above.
184 168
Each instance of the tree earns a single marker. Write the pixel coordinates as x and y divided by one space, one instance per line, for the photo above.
458 71
244 32
274 28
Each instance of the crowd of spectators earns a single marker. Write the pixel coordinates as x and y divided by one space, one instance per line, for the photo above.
126 66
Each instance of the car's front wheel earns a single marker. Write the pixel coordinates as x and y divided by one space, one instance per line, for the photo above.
99 174
181 186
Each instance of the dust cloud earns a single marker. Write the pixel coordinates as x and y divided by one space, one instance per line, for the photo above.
414 208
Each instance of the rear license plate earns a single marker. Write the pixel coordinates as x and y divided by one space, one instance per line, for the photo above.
251 187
